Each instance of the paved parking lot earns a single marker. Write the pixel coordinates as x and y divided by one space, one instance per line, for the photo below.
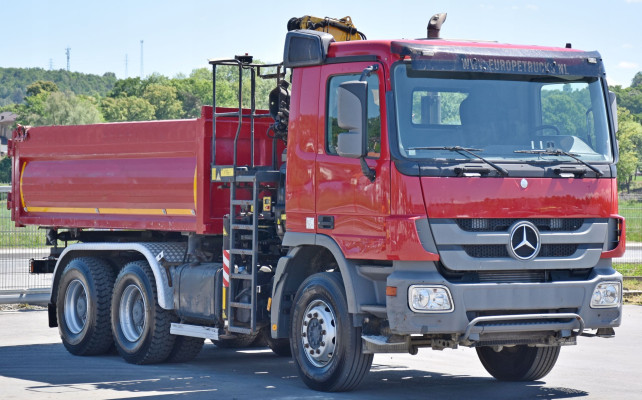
35 365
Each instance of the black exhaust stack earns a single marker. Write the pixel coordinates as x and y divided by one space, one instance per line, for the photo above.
434 25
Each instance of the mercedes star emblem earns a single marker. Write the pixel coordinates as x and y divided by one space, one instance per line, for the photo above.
524 241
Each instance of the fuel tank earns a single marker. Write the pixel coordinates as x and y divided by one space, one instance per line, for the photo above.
135 175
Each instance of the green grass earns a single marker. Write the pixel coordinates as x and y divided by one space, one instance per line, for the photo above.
627 269
630 284
10 236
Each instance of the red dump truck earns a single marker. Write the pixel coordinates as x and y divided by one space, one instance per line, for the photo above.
398 194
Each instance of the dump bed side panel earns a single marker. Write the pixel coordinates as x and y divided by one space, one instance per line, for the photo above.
135 175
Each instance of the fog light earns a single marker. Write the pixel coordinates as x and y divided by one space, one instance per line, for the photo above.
430 299
606 294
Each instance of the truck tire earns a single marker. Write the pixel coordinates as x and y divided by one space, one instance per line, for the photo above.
237 342
260 340
140 326
325 346
84 298
185 349
280 347
518 363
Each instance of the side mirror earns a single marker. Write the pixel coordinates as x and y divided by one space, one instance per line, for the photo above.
613 100
304 48
352 114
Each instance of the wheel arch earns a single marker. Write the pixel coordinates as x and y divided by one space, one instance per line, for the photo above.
154 253
310 253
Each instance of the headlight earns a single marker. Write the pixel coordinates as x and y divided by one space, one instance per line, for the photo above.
430 299
606 294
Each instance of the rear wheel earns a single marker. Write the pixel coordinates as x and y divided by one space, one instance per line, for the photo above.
185 349
140 326
518 363
84 298
236 342
280 347
325 346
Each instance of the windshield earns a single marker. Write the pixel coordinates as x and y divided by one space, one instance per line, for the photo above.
503 117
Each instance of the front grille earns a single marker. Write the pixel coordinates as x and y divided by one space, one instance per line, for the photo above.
487 251
521 276
514 276
477 244
557 250
503 224
500 251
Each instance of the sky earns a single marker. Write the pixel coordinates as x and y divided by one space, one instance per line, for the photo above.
179 36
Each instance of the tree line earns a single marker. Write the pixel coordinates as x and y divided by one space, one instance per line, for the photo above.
629 134
155 97
14 82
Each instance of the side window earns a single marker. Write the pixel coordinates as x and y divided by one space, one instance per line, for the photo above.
374 117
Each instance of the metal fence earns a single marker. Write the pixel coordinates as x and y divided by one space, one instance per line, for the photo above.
18 245
631 208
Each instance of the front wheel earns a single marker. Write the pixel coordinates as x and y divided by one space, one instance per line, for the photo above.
325 346
140 326
518 363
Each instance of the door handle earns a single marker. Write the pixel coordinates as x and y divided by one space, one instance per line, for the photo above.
325 222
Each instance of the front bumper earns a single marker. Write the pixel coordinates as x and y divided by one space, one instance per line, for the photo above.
501 310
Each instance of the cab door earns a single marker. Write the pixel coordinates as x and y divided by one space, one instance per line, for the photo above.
349 206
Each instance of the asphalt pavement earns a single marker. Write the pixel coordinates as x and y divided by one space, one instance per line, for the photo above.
35 365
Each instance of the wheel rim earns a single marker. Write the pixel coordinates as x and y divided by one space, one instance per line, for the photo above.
132 313
76 306
318 333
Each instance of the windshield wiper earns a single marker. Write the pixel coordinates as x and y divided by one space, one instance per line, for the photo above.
560 152
464 151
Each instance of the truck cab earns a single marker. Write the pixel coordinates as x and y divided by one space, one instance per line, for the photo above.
465 192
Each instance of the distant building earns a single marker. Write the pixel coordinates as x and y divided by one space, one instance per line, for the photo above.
7 119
